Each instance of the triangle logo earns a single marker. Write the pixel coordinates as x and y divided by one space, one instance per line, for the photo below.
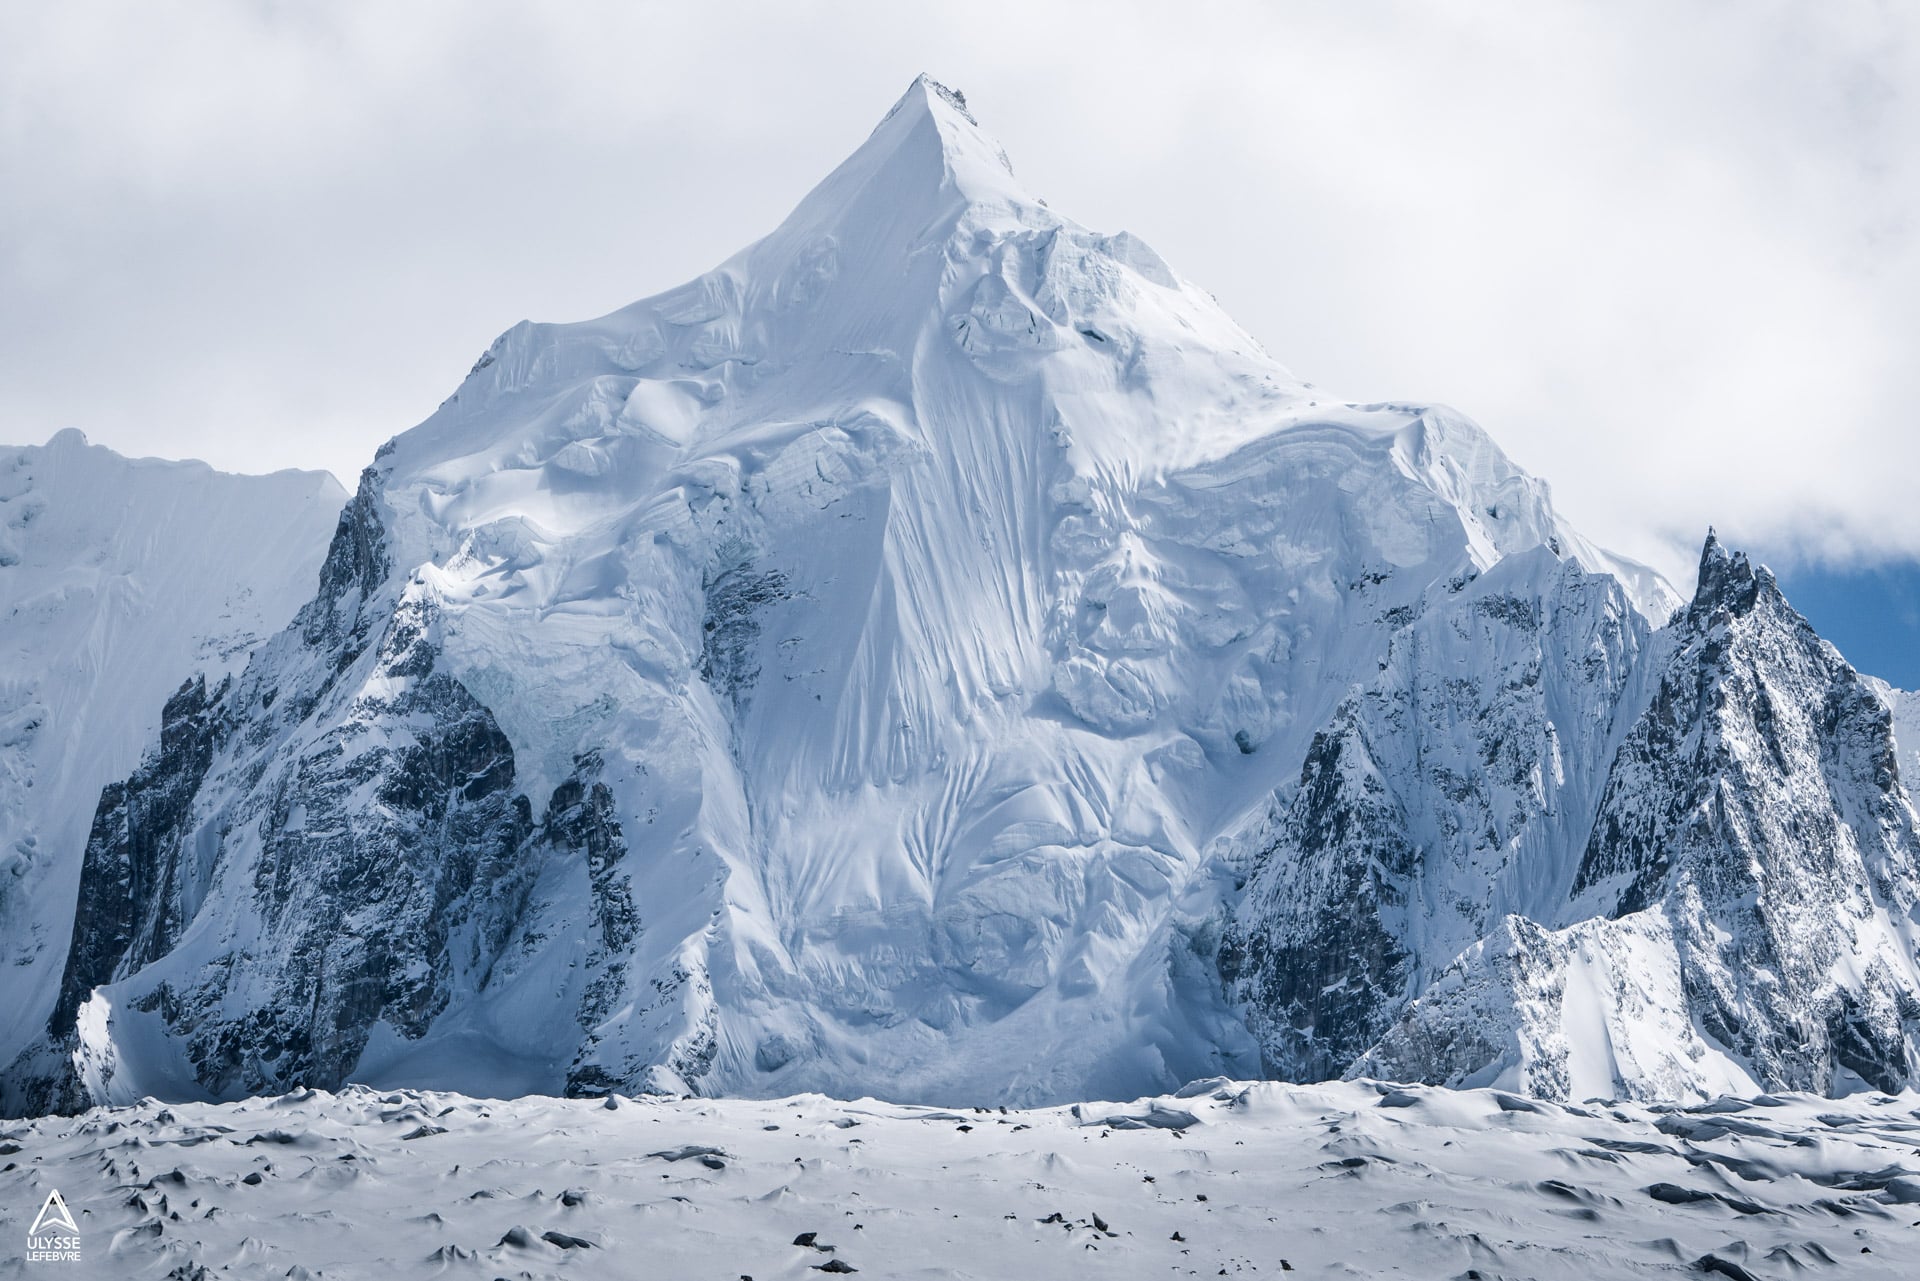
53 1216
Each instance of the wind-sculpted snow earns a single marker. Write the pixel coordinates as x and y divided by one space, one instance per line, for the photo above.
1359 1180
118 578
885 665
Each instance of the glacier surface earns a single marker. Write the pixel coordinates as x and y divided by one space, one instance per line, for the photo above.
1242 1178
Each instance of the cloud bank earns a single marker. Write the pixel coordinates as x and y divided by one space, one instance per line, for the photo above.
1664 252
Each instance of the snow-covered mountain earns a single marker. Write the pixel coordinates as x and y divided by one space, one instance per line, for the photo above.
938 655
118 577
1550 850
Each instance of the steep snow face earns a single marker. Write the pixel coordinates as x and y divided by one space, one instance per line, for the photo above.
118 577
1744 908
831 674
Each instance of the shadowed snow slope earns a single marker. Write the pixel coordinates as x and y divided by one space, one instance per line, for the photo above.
877 667
118 577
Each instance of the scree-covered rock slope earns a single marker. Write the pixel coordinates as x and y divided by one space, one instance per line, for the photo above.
938 655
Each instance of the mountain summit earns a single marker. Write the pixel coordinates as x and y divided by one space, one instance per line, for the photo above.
936 654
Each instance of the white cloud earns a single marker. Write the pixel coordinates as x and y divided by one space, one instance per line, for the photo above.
1664 252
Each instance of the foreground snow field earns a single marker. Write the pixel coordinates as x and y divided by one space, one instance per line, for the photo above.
1350 1179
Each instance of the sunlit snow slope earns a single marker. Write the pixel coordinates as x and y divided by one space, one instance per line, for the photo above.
118 577
877 666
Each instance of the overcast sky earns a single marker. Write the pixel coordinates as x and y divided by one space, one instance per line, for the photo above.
1664 252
